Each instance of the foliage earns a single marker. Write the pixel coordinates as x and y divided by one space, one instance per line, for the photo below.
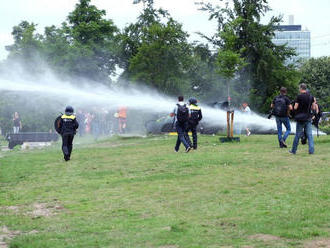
27 46
83 47
205 82
162 58
241 32
316 75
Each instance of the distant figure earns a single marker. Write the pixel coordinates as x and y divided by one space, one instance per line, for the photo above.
304 105
122 119
81 121
181 117
194 118
246 109
68 126
281 106
17 123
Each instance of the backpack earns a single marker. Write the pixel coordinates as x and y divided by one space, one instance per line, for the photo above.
280 107
182 113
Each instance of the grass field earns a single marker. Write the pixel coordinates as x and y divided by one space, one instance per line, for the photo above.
137 192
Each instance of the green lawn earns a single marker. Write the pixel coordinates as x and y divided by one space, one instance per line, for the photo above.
137 192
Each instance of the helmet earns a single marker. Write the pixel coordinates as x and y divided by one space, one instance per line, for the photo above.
69 110
192 100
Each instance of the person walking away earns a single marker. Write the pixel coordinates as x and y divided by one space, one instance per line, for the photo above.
181 116
246 109
303 107
68 126
195 117
281 106
17 123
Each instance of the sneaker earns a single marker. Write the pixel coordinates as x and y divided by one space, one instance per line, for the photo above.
248 133
188 149
176 150
290 151
284 144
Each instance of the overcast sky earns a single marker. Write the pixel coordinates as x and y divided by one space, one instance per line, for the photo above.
312 15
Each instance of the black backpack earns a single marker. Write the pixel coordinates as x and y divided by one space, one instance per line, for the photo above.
280 107
182 113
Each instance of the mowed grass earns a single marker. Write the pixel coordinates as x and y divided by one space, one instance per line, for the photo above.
137 192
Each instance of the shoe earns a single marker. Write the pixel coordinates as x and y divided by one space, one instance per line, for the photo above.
66 157
290 151
175 150
248 133
188 149
284 144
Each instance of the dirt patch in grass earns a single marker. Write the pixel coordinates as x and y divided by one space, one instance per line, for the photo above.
45 210
6 235
320 243
264 237
38 209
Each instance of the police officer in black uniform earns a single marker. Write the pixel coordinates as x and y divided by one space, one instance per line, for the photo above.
194 118
68 125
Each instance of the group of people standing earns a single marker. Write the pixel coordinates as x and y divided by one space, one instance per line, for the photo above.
303 108
186 119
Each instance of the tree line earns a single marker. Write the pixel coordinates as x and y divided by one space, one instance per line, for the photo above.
155 51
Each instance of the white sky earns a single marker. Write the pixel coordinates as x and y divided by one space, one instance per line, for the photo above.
312 15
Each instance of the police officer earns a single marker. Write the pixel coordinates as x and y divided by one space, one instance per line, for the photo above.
68 125
194 119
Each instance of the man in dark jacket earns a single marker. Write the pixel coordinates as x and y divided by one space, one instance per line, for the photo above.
68 125
194 118
281 106
303 107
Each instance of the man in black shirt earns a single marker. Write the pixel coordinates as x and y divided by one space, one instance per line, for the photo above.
68 125
281 105
303 107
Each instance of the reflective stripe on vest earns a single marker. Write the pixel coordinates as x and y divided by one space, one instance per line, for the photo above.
194 107
72 117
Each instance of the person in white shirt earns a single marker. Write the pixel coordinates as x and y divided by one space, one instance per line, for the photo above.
246 109
181 116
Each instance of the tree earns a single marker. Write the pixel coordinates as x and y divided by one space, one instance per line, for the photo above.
162 58
27 46
316 75
93 42
265 71
155 51
205 81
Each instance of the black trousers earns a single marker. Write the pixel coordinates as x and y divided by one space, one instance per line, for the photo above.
193 129
67 140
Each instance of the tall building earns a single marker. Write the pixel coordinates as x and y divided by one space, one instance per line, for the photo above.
294 37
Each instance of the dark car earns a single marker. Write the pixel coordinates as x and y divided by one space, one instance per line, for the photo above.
164 123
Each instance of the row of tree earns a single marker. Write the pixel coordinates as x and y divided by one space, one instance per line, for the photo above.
155 51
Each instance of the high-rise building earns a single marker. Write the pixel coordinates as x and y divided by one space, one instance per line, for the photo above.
294 37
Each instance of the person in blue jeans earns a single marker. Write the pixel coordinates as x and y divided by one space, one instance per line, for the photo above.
181 117
303 106
281 106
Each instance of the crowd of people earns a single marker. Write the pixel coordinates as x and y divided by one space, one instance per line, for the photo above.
186 117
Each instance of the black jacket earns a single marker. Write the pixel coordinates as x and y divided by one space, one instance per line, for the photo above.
68 125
